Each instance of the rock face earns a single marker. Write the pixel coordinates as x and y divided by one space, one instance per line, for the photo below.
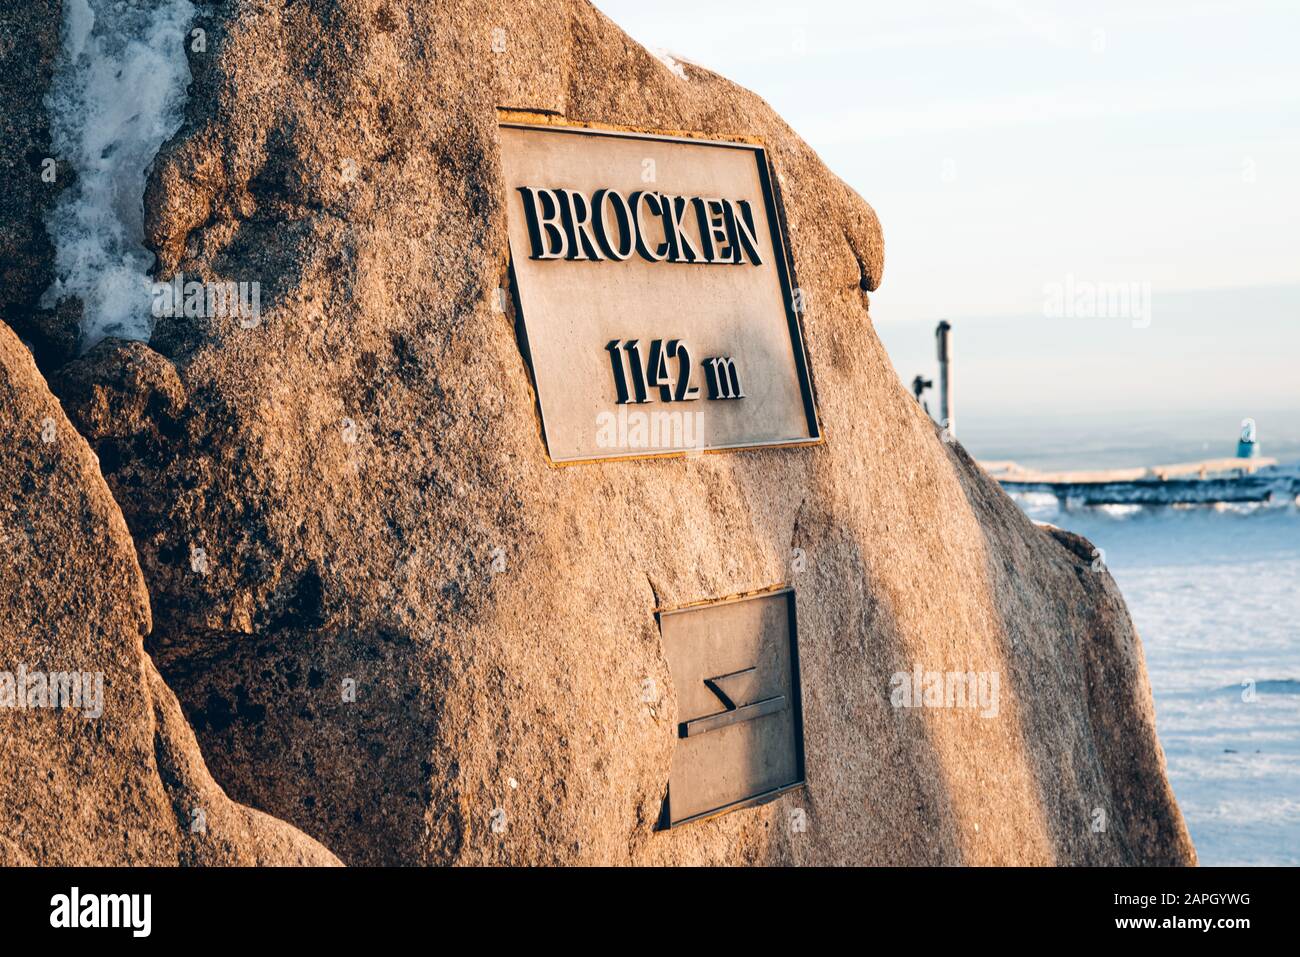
117 778
393 625
33 175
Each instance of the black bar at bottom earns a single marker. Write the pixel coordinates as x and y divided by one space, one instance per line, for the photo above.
1222 906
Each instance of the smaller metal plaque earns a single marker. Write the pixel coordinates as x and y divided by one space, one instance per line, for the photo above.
735 666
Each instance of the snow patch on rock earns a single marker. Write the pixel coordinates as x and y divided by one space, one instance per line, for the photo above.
676 65
118 94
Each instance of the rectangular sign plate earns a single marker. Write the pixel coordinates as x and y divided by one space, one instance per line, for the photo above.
735 667
653 286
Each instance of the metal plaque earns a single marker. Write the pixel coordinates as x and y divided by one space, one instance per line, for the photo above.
655 303
735 666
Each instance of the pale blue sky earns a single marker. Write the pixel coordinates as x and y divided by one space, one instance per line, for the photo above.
1009 145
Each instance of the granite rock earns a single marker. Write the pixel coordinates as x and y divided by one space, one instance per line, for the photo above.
99 765
418 642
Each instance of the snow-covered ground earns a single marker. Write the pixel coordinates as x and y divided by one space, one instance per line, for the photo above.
1214 594
118 94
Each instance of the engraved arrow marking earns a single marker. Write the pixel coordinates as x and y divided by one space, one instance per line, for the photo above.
731 713
712 685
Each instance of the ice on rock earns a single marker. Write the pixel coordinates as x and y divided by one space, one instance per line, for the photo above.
117 95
